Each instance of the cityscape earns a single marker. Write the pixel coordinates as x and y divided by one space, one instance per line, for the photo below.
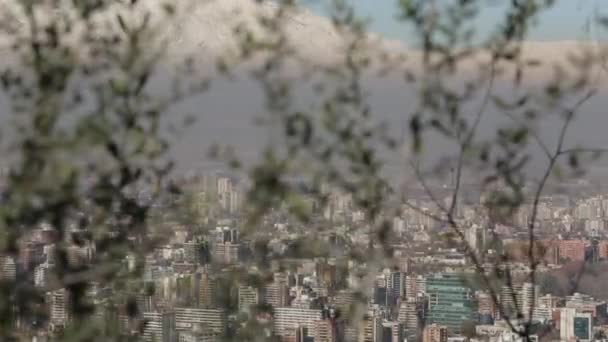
429 294
303 171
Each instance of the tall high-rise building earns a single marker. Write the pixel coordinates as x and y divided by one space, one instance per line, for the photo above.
277 292
211 320
226 234
31 254
226 247
381 295
344 301
396 284
392 331
327 274
451 301
486 308
410 314
197 252
145 302
186 293
235 200
510 300
370 329
415 286
249 297
519 299
329 330
42 273
572 250
435 333
59 301
528 298
228 195
575 326
475 237
287 319
224 184
159 326
8 269
208 290
549 301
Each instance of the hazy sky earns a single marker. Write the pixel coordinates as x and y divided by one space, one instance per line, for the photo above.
568 20
229 108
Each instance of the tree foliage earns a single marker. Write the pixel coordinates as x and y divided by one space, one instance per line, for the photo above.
86 135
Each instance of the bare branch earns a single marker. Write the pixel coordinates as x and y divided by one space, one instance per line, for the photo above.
466 144
552 161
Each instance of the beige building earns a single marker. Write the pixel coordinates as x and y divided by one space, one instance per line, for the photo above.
435 333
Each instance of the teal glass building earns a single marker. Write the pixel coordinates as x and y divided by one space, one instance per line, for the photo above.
451 301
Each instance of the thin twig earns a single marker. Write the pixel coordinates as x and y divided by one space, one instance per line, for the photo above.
533 134
552 161
466 144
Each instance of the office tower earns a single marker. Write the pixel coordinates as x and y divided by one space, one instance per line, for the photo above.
327 274
249 297
228 195
8 269
370 329
344 301
31 254
450 301
410 312
486 308
575 326
226 246
286 319
586 303
542 314
415 286
572 250
519 299
435 333
226 253
235 200
59 307
277 292
186 290
49 254
224 184
211 320
475 237
208 290
231 253
208 185
583 327
396 284
528 298
159 327
145 302
380 292
392 332
380 295
197 252
328 330
510 301
41 275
